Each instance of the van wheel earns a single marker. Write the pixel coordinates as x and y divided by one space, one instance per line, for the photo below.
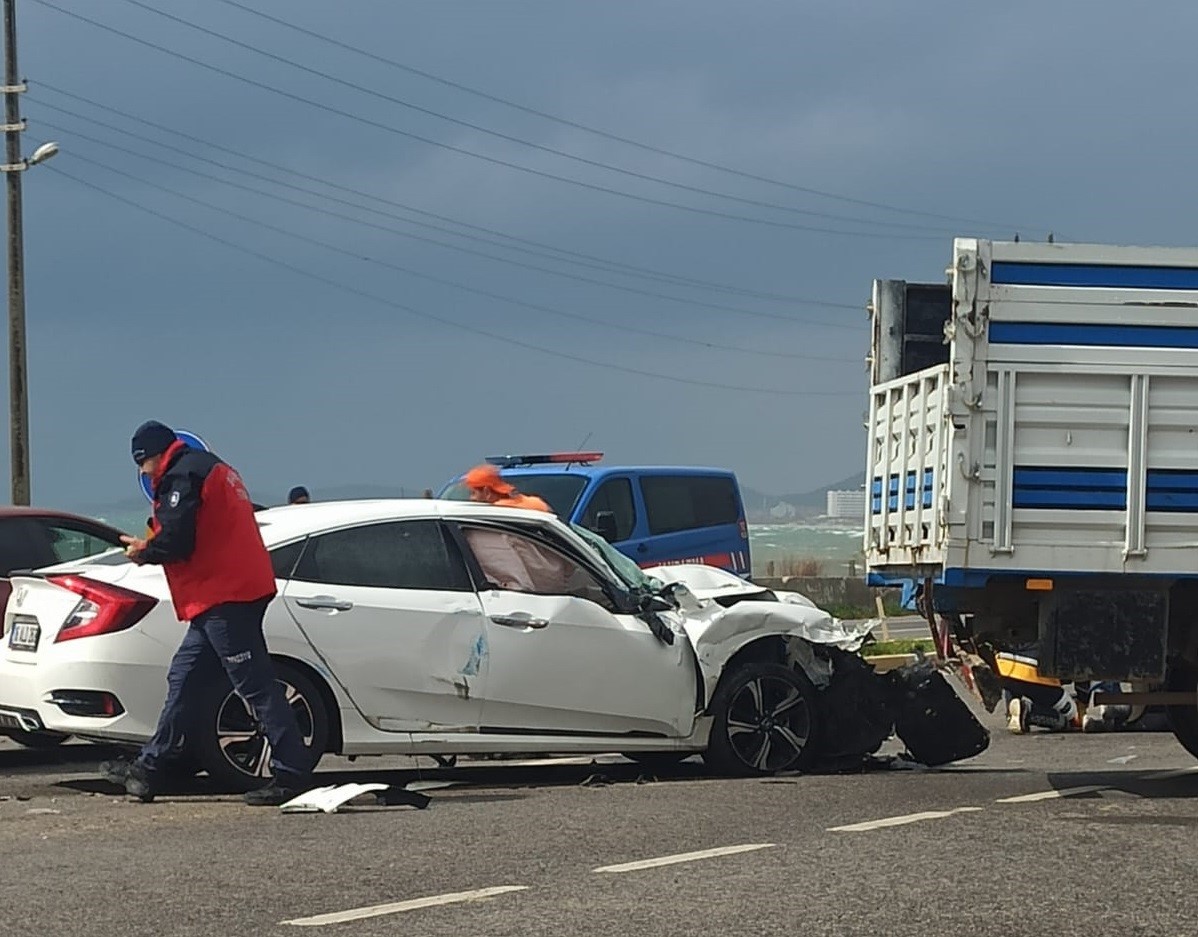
765 721
231 745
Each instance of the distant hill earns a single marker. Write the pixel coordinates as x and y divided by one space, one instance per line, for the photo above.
758 505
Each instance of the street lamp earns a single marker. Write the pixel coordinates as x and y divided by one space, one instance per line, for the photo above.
14 165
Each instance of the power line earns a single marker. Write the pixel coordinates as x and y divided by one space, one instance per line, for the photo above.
478 128
421 238
647 147
366 121
324 245
429 316
667 278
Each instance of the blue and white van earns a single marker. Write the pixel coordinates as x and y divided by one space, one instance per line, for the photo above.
655 515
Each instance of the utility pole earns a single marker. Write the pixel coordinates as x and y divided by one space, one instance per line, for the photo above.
14 165
18 387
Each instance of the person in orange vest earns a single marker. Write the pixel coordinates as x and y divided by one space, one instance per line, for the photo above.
488 486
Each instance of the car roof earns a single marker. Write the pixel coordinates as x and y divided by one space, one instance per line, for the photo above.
297 520
13 510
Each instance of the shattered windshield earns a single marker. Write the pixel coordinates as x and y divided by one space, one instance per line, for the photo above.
627 571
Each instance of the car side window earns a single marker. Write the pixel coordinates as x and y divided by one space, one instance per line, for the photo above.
74 543
615 496
22 546
391 555
687 502
284 558
515 563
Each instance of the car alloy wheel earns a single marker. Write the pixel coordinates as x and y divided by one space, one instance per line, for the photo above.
241 739
765 721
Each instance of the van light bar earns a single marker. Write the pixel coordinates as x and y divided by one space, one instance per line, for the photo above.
551 458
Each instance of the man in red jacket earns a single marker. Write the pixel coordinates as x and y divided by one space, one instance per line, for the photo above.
207 541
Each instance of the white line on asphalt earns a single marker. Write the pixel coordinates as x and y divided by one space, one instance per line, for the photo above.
1053 795
684 857
356 914
900 821
1172 773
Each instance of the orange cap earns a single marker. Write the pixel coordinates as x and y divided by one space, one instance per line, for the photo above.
487 478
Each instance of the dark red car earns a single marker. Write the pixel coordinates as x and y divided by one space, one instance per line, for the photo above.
31 538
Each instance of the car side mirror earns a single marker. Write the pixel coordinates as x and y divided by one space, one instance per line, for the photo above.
605 526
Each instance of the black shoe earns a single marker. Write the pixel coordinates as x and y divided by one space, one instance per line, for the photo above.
278 791
116 771
140 783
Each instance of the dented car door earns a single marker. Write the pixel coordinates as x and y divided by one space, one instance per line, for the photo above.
563 657
391 610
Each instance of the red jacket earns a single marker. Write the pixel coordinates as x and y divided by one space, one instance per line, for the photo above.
206 537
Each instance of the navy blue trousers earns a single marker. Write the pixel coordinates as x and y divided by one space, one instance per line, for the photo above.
229 638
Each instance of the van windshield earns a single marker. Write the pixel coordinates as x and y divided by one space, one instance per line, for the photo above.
560 492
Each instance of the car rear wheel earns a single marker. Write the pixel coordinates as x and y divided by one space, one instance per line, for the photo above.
40 739
231 745
765 721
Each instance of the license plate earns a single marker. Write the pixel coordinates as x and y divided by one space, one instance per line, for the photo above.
25 635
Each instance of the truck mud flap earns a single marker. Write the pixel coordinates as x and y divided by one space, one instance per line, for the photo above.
935 724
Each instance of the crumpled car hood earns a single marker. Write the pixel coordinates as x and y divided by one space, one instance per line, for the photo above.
791 614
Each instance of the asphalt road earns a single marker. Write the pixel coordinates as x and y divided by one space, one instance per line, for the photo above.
1099 839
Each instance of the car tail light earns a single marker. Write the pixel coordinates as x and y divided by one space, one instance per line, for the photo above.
102 608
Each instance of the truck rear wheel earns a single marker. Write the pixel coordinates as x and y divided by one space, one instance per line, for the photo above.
1183 720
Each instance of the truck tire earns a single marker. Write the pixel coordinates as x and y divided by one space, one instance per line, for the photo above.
1183 720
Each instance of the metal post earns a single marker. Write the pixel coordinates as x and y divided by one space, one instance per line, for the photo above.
889 300
18 398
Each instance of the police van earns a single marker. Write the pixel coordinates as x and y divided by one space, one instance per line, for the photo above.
655 515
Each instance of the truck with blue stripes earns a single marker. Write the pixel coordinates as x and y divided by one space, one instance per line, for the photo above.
1032 462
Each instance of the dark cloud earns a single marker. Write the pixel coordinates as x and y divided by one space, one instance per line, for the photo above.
1073 116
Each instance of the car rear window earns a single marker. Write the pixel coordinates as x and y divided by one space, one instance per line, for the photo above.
687 502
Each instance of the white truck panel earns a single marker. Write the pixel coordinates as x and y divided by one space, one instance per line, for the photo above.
1062 436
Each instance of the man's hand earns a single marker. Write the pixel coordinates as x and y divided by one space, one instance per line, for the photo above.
133 546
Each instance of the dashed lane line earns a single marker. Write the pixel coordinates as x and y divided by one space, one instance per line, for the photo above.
900 820
684 857
397 907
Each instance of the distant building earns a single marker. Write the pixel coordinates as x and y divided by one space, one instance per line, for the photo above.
847 505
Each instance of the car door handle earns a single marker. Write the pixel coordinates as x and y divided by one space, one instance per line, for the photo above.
520 620
325 603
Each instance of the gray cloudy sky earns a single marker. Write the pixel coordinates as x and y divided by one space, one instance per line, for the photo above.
1075 117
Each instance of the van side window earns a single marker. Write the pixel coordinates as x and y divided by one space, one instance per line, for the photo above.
614 495
686 502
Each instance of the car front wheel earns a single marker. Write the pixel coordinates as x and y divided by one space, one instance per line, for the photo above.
764 721
232 747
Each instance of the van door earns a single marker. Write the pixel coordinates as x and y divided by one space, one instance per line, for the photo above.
693 519
616 495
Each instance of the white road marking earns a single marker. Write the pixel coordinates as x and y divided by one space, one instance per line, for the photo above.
1172 773
396 907
684 857
1122 759
1053 795
900 821
538 762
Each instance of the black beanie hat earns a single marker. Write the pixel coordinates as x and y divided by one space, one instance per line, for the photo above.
151 439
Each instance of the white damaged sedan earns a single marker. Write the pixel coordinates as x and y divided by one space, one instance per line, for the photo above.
445 628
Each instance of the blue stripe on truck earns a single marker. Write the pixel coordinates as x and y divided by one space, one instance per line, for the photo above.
1104 336
1101 276
1172 491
